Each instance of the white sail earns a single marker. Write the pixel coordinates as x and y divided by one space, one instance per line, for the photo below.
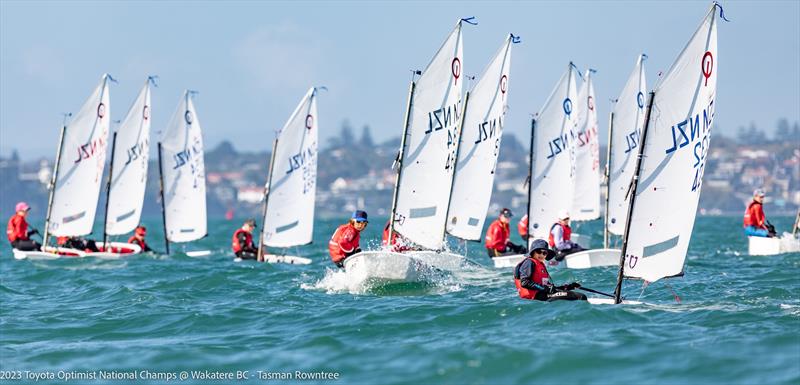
484 116
290 206
183 173
676 142
551 170
80 169
129 173
586 186
429 155
628 119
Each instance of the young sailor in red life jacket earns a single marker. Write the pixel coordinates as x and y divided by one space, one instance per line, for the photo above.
17 230
77 243
522 228
399 242
498 237
755 223
344 241
138 238
559 239
533 281
242 241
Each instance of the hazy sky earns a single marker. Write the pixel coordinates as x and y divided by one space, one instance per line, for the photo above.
252 61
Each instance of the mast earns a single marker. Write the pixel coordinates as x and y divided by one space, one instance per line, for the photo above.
632 198
266 200
400 161
53 181
608 176
163 203
455 161
108 191
530 179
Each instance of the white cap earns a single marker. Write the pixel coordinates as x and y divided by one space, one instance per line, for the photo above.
563 215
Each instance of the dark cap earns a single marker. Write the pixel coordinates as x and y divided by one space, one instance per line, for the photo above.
506 213
541 244
251 222
360 216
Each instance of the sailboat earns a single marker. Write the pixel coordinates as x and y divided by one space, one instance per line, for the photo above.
77 177
625 124
551 162
786 243
288 215
426 162
668 176
586 183
183 179
484 116
128 168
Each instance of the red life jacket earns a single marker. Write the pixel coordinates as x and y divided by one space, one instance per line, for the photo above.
344 241
754 215
398 243
248 240
566 234
17 228
141 243
540 276
497 236
522 226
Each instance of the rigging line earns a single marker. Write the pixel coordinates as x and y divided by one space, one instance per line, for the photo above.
641 293
674 294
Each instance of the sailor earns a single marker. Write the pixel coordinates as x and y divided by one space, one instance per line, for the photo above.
17 231
399 243
344 241
522 228
242 241
78 243
498 237
138 238
559 239
533 280
755 223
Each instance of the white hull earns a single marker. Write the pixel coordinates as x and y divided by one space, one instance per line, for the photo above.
385 267
771 246
48 253
443 261
198 253
288 259
610 301
593 258
508 260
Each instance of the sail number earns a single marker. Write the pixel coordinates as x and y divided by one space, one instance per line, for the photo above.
690 131
446 118
193 157
306 162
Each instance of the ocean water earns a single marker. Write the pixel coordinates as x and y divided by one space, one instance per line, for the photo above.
737 321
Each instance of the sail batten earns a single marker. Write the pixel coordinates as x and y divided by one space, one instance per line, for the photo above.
480 145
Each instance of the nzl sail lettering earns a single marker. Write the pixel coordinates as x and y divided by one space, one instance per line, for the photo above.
585 137
184 157
689 131
444 117
558 145
137 150
299 159
488 129
632 140
88 150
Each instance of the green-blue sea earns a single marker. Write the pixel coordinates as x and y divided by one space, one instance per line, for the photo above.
158 318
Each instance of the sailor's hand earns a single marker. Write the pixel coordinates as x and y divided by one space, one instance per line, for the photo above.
32 231
551 289
357 250
573 286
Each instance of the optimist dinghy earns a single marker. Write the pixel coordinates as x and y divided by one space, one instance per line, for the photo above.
76 180
787 243
386 267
